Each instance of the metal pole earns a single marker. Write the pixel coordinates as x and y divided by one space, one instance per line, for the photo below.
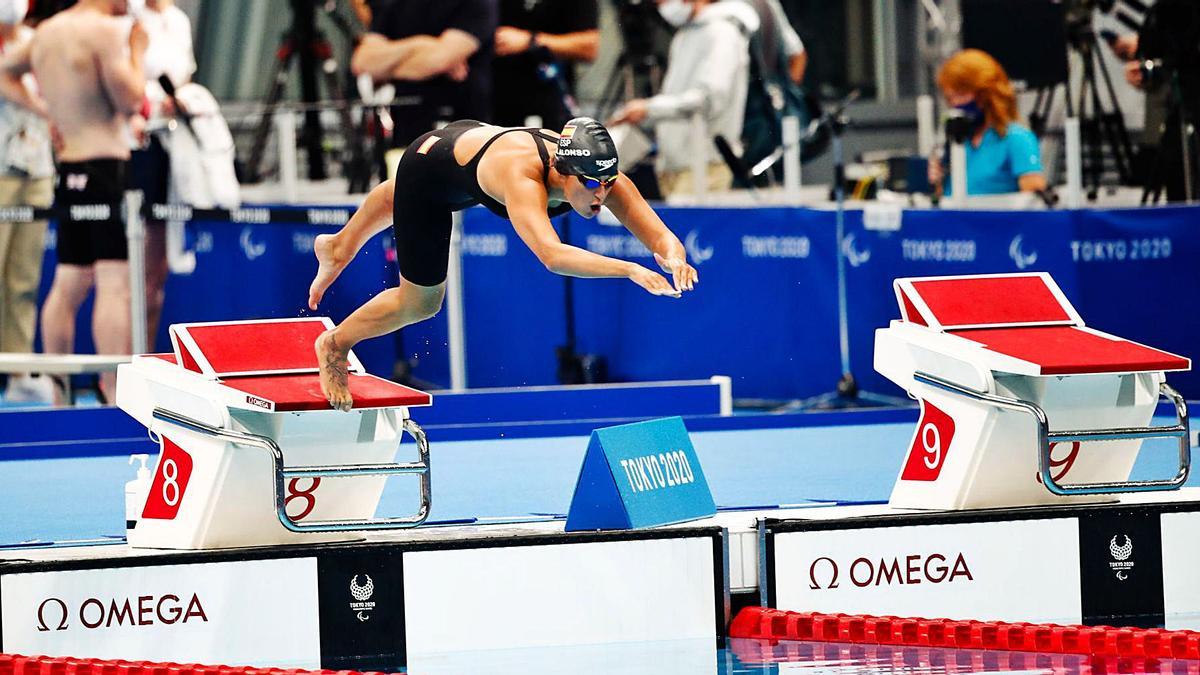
951 36
791 156
926 126
455 318
179 259
839 190
958 173
700 154
285 138
135 234
887 77
1185 142
1074 151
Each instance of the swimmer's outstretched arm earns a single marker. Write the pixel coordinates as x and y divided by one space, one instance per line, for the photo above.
335 251
526 201
628 205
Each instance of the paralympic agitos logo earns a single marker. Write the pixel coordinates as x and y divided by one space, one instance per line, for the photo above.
934 568
54 614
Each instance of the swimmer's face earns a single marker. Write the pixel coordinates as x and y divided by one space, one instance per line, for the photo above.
587 195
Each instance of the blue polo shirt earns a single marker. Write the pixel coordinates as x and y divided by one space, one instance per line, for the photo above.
994 166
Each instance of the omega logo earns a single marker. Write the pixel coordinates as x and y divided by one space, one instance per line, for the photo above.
260 402
144 610
824 572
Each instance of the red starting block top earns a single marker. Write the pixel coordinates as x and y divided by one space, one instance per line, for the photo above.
1067 350
251 347
292 393
1027 317
985 300
274 364
295 393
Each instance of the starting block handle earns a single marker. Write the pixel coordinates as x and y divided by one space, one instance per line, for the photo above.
283 473
1179 430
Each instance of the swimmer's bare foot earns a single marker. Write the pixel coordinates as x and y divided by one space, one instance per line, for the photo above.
329 266
335 372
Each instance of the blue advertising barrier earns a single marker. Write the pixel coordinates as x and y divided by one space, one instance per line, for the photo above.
639 475
765 311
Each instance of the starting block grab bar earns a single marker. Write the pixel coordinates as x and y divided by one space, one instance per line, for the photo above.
1046 437
283 473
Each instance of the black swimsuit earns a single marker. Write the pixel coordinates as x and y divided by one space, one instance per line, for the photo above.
430 186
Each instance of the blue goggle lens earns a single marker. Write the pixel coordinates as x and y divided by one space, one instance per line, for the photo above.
596 183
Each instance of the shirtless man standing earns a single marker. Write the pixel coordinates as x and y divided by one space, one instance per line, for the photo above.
88 65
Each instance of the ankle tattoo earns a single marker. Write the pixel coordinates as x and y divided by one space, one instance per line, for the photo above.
334 359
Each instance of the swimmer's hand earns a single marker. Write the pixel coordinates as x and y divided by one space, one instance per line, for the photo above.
653 282
683 274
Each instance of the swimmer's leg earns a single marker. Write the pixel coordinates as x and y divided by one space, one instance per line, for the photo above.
71 286
387 312
335 251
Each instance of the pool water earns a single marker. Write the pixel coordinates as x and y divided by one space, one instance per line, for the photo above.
760 656
765 657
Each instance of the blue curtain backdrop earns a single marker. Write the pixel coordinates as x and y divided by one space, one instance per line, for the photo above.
765 311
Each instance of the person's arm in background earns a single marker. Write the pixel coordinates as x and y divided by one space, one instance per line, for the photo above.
793 46
430 56
13 69
577 46
1126 47
363 11
121 72
182 67
419 57
1032 182
422 57
714 87
797 66
576 36
1026 160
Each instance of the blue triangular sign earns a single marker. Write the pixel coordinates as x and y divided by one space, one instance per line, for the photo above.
639 475
597 503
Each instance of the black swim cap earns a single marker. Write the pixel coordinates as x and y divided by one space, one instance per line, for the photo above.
586 149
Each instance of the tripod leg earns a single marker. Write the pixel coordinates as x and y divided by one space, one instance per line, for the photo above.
612 89
1090 124
1115 129
354 164
381 144
1037 122
283 59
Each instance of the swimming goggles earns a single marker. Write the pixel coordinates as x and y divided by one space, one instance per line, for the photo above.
596 183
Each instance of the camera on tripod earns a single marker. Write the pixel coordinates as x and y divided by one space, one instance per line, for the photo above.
639 23
1169 44
1078 14
642 61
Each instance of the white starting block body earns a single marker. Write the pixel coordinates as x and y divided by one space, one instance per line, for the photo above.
251 452
1021 403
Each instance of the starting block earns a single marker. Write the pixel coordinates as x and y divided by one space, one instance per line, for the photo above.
1021 403
247 438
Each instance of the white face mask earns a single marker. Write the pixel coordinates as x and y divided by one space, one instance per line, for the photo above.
13 12
675 12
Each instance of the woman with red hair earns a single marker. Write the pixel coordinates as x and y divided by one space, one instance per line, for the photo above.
1002 155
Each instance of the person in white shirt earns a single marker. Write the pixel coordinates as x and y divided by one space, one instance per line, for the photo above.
708 70
26 179
169 53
